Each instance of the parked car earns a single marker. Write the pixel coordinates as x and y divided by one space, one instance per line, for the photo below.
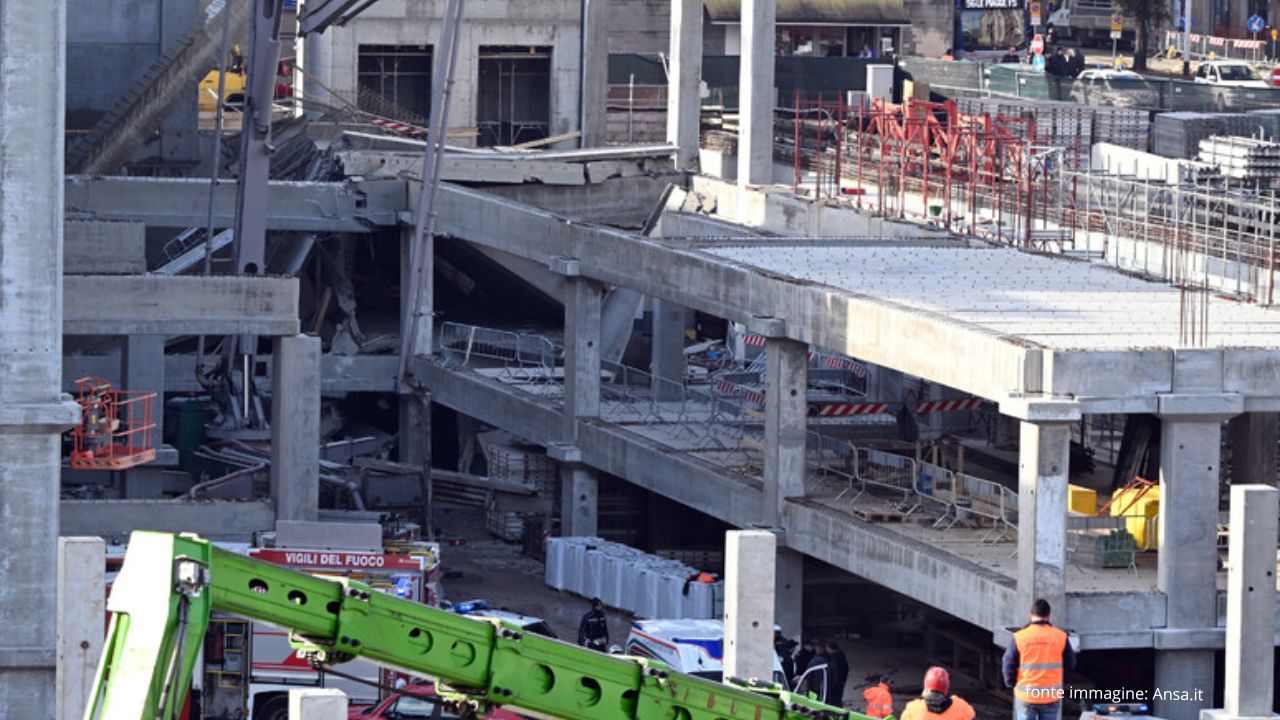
402 706
1229 73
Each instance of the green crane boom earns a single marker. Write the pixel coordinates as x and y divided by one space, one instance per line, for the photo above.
169 584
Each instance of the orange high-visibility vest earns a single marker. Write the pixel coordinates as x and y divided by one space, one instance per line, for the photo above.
959 710
879 701
1040 672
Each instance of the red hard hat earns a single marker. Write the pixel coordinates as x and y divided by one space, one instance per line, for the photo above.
938 680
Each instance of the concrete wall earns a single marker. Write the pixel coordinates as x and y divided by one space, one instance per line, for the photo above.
932 28
639 26
332 56
110 46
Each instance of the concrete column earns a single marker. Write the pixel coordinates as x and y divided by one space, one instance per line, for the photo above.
595 72
295 427
414 442
424 314
1251 601
756 93
789 593
1254 437
581 353
179 136
785 417
82 610
317 704
667 359
143 361
1042 514
684 93
1188 561
748 604
579 499
32 411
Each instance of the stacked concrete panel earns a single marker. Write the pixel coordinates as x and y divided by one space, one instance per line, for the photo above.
1178 134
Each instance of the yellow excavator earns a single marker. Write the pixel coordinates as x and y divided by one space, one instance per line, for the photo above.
233 89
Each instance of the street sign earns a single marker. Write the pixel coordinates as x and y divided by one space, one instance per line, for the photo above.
1037 44
1037 63
1255 24
1117 26
1034 7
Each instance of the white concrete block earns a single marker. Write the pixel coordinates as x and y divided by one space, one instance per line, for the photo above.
317 704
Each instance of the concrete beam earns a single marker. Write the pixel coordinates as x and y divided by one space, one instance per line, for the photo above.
579 501
32 116
295 427
749 584
158 305
180 203
785 417
1251 601
340 374
82 609
1042 514
756 93
215 520
104 247
684 100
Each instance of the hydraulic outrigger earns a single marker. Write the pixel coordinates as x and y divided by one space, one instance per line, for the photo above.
161 601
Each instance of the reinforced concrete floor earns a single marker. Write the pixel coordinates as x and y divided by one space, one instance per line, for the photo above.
727 441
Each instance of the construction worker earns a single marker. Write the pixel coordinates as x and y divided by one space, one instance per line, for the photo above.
1034 664
936 702
879 699
593 631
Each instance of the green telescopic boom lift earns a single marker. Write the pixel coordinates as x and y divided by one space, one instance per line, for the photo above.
161 601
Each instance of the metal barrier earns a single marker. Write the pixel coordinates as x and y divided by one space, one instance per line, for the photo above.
989 500
531 357
889 471
936 484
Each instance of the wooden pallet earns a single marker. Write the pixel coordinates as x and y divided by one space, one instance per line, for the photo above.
878 515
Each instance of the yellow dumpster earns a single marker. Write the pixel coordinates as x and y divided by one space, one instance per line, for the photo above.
1141 509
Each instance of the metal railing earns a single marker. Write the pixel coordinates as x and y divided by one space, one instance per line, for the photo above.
529 357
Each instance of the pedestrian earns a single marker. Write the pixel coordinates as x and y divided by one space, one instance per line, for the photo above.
816 677
1075 62
784 647
879 699
839 674
936 701
1056 64
1011 56
867 53
949 54
1034 665
593 631
803 659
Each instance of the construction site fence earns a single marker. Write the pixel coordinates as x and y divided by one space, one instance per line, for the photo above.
534 357
969 79
1202 46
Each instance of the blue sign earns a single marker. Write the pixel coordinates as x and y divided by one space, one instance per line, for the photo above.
1255 24
1037 63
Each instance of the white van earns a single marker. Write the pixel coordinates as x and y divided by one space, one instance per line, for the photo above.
693 647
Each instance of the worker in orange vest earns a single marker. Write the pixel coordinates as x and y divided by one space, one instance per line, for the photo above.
1034 665
879 699
936 702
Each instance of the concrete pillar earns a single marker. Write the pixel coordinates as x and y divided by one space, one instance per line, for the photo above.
1251 601
786 380
424 314
1042 515
684 93
82 611
579 500
1254 437
667 359
317 704
179 136
748 604
295 427
32 411
789 593
414 442
756 93
581 353
595 72
143 361
1188 561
